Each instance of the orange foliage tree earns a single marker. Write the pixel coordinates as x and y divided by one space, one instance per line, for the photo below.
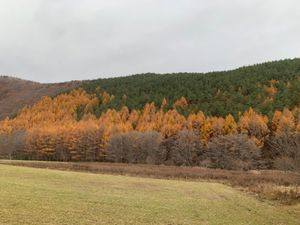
254 125
54 130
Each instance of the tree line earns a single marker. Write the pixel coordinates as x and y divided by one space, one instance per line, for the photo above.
66 128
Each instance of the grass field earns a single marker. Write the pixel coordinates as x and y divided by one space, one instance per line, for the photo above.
282 186
41 196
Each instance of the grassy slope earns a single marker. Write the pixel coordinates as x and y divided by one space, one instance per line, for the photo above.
39 196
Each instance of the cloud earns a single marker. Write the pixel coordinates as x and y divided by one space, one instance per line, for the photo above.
59 40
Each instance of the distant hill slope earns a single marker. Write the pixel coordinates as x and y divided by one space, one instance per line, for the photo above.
16 93
265 87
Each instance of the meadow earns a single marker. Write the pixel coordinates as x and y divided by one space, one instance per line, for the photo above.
43 196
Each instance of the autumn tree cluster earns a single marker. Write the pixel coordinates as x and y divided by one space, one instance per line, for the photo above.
78 126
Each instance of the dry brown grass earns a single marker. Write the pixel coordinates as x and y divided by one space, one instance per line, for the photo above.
269 184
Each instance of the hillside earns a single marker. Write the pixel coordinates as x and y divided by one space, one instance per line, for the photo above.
265 87
16 93
94 125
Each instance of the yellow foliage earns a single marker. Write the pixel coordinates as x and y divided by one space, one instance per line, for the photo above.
180 103
52 121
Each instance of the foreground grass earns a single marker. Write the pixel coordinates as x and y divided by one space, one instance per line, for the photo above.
281 186
40 196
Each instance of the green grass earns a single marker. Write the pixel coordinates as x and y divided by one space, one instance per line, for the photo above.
41 196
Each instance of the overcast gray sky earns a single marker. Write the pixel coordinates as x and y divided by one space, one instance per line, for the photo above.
60 40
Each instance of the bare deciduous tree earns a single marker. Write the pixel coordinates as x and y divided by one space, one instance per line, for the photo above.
186 149
284 150
233 152
135 147
12 144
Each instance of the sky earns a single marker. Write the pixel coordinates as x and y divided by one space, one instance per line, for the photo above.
62 40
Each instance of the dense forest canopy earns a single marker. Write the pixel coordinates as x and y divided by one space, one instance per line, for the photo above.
265 87
248 118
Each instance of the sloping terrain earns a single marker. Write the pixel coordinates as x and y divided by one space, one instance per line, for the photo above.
40 196
265 87
16 93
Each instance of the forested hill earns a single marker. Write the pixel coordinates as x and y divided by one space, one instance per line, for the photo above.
85 126
265 87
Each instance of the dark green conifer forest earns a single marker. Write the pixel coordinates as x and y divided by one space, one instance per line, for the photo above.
265 87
